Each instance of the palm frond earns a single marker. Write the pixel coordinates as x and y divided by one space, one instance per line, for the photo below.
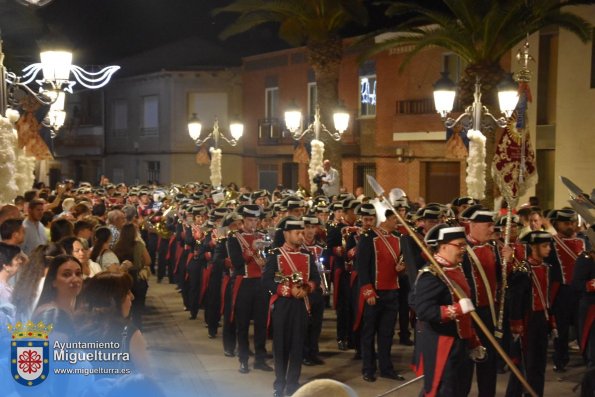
246 22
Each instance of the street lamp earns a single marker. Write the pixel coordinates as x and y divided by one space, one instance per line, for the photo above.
293 121
475 118
56 67
472 118
236 130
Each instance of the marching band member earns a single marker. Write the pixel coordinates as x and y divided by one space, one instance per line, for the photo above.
566 249
291 276
378 265
529 311
445 341
249 300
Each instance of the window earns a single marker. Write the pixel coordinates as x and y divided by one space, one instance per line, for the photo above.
268 176
312 101
367 99
153 168
150 115
272 102
453 65
120 118
360 179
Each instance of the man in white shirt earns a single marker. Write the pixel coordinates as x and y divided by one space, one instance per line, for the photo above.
330 180
35 234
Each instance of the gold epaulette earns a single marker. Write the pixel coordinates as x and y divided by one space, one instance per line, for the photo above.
426 269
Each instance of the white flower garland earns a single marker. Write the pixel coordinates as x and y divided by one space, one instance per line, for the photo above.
316 160
25 167
8 144
476 165
215 167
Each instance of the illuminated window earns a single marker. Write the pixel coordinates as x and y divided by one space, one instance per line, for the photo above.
367 89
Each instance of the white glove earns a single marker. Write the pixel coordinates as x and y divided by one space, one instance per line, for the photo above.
478 354
466 305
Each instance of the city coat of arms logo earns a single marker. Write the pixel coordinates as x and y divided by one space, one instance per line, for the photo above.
29 356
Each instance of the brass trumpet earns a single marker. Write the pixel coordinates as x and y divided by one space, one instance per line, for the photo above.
295 278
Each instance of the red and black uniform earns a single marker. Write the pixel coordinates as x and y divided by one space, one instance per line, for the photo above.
584 283
249 298
341 275
444 334
351 242
311 349
528 306
378 254
289 315
484 295
148 233
222 266
194 266
564 298
210 291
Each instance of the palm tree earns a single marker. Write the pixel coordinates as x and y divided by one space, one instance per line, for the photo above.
481 32
315 24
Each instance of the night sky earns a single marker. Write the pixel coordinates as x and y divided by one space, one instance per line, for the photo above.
103 31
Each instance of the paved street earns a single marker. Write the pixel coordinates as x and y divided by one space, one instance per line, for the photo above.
187 363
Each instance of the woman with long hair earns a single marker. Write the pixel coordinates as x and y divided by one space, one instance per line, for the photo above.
131 248
30 281
103 308
62 285
78 248
101 252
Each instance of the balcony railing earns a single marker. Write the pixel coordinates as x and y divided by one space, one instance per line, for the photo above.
415 106
272 131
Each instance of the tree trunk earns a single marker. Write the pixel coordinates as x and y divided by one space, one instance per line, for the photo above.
489 75
325 59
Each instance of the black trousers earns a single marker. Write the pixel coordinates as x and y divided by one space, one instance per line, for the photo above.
191 290
289 319
162 248
344 310
151 243
356 336
451 384
171 262
212 304
229 327
314 327
251 304
378 323
180 274
534 356
487 370
403 315
566 311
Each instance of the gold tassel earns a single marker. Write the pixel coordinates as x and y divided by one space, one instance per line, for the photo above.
300 155
455 148
202 157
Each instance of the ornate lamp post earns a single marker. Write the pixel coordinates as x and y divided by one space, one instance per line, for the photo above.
56 68
475 118
293 121
236 130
